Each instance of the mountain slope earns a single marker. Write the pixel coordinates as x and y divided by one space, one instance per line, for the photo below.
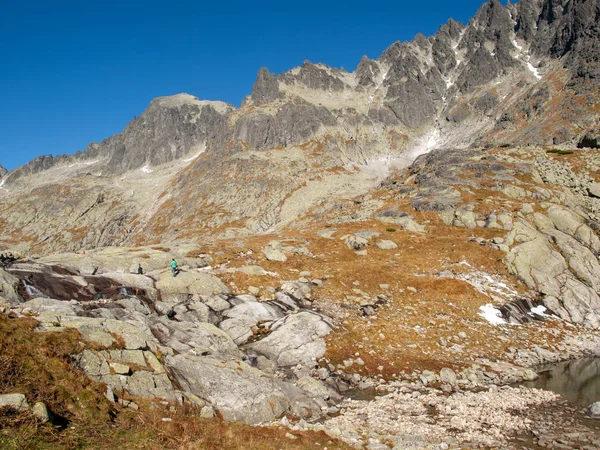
188 169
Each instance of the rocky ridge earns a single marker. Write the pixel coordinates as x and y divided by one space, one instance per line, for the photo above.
509 76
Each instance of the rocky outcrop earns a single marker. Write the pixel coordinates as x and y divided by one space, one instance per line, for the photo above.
554 251
293 123
9 286
558 259
240 392
568 29
295 339
313 76
137 372
3 171
266 88
191 336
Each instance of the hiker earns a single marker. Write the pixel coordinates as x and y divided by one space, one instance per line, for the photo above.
174 268
140 270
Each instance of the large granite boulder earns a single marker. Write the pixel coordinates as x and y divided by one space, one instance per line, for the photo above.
240 392
187 283
295 339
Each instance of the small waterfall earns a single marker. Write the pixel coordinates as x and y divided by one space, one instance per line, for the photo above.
521 310
32 291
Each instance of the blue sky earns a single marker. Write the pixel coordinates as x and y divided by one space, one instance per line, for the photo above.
75 72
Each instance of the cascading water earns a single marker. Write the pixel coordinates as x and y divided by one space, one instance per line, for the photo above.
32 291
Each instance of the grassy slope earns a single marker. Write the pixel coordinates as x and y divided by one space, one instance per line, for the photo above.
39 366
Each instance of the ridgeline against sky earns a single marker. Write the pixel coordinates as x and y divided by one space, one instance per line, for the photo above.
74 73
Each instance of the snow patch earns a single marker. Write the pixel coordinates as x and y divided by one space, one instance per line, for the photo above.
540 310
534 71
146 169
432 142
493 315
515 43
488 285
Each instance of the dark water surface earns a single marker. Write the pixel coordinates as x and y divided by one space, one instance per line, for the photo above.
577 381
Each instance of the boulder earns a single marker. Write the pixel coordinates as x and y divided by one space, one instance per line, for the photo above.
15 401
354 242
594 410
9 286
187 283
240 392
386 245
594 190
295 339
41 411
448 376
274 254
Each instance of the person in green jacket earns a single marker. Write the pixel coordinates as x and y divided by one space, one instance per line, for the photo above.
174 269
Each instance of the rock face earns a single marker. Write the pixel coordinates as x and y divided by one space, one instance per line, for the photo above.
170 128
3 171
295 339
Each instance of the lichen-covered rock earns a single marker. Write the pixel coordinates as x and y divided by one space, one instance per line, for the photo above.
41 411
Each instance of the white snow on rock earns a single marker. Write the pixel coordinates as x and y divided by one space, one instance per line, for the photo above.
146 169
540 310
490 313
488 285
517 45
534 70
